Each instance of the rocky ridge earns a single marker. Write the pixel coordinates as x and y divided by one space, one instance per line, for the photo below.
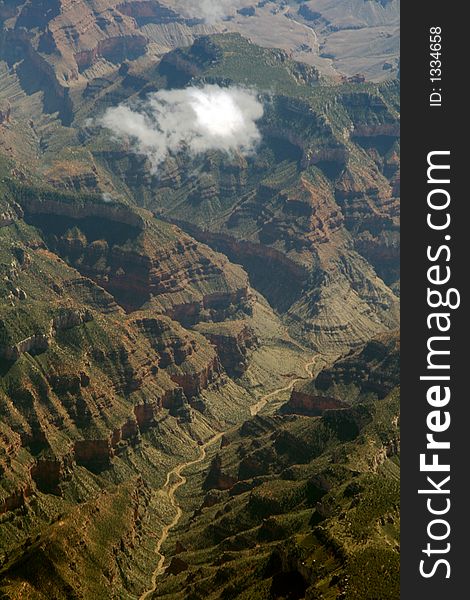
300 499
137 317
92 393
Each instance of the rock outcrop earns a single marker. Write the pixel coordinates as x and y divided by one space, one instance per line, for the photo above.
371 371
95 455
139 260
47 474
190 361
5 114
65 318
233 341
126 342
70 206
15 500
9 214
312 406
34 344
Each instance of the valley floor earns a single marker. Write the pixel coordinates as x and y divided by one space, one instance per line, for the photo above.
175 478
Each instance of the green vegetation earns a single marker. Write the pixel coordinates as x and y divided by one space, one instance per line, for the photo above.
127 343
302 515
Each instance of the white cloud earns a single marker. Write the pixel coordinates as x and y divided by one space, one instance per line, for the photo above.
210 11
195 119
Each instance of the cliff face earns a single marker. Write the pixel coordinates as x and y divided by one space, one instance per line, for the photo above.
132 322
279 278
305 498
99 383
36 344
5 114
74 35
62 45
47 474
35 73
373 370
114 49
306 404
9 213
313 216
70 207
80 381
139 260
187 358
233 342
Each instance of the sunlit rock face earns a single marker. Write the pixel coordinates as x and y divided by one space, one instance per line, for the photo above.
191 225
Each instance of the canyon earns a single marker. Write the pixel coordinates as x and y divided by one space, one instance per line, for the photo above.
199 388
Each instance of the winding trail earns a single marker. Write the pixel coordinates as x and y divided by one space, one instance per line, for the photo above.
256 408
175 478
171 489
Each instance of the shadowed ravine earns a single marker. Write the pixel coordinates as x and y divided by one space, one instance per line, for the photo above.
171 489
176 475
